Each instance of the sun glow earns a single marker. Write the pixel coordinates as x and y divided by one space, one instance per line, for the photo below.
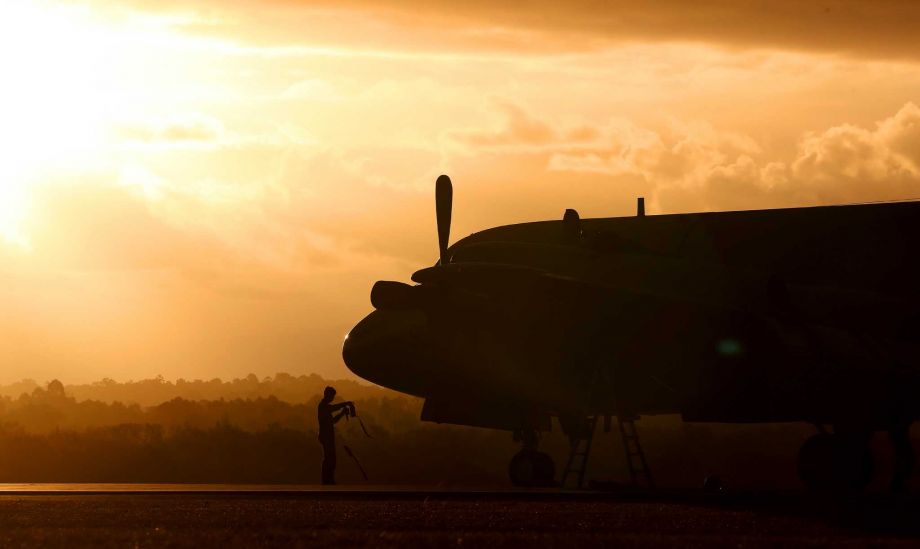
69 77
53 102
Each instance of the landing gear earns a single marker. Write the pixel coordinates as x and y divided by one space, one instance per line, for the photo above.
530 467
835 463
903 457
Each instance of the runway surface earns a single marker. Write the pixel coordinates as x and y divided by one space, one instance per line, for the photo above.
376 491
245 516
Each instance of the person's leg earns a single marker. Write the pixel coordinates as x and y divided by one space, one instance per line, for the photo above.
332 459
328 462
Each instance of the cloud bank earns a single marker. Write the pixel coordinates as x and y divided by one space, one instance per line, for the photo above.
880 28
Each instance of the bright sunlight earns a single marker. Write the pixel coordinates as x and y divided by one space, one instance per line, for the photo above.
70 77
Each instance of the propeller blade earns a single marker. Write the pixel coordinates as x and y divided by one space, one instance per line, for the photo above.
443 198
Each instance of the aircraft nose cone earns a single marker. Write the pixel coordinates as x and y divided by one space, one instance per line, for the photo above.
390 348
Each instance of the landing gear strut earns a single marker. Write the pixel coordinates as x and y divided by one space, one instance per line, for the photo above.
903 456
530 467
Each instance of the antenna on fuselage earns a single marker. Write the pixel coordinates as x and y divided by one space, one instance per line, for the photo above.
640 207
571 223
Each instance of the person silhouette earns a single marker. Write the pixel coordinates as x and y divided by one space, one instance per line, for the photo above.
327 421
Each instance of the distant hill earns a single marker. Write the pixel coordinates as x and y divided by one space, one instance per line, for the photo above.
250 403
150 392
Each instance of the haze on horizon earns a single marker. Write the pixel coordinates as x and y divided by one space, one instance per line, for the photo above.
209 188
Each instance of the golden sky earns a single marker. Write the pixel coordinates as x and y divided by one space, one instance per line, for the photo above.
204 188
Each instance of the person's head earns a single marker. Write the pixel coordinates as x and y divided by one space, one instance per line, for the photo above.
329 393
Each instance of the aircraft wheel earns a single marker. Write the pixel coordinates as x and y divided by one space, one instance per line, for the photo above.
835 464
529 468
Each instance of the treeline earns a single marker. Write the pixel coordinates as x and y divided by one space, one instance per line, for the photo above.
49 435
149 392
49 409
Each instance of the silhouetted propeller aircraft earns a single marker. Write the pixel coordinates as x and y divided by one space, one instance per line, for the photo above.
802 314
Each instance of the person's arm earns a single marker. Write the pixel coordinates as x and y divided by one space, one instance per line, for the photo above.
340 405
337 417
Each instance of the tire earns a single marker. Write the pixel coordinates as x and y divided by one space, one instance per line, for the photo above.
529 469
831 464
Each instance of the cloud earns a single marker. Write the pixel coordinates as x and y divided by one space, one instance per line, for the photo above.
856 163
901 134
890 151
192 128
377 201
520 130
882 28
93 222
115 284
312 89
697 167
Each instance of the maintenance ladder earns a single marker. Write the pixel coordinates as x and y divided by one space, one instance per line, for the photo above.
635 457
578 456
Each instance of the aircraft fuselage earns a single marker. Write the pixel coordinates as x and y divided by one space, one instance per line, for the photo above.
771 315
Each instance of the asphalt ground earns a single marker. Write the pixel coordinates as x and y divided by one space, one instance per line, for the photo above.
300 516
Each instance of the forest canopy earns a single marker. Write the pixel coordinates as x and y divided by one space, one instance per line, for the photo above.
254 430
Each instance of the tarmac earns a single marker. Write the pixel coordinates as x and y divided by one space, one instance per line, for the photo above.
316 491
180 515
